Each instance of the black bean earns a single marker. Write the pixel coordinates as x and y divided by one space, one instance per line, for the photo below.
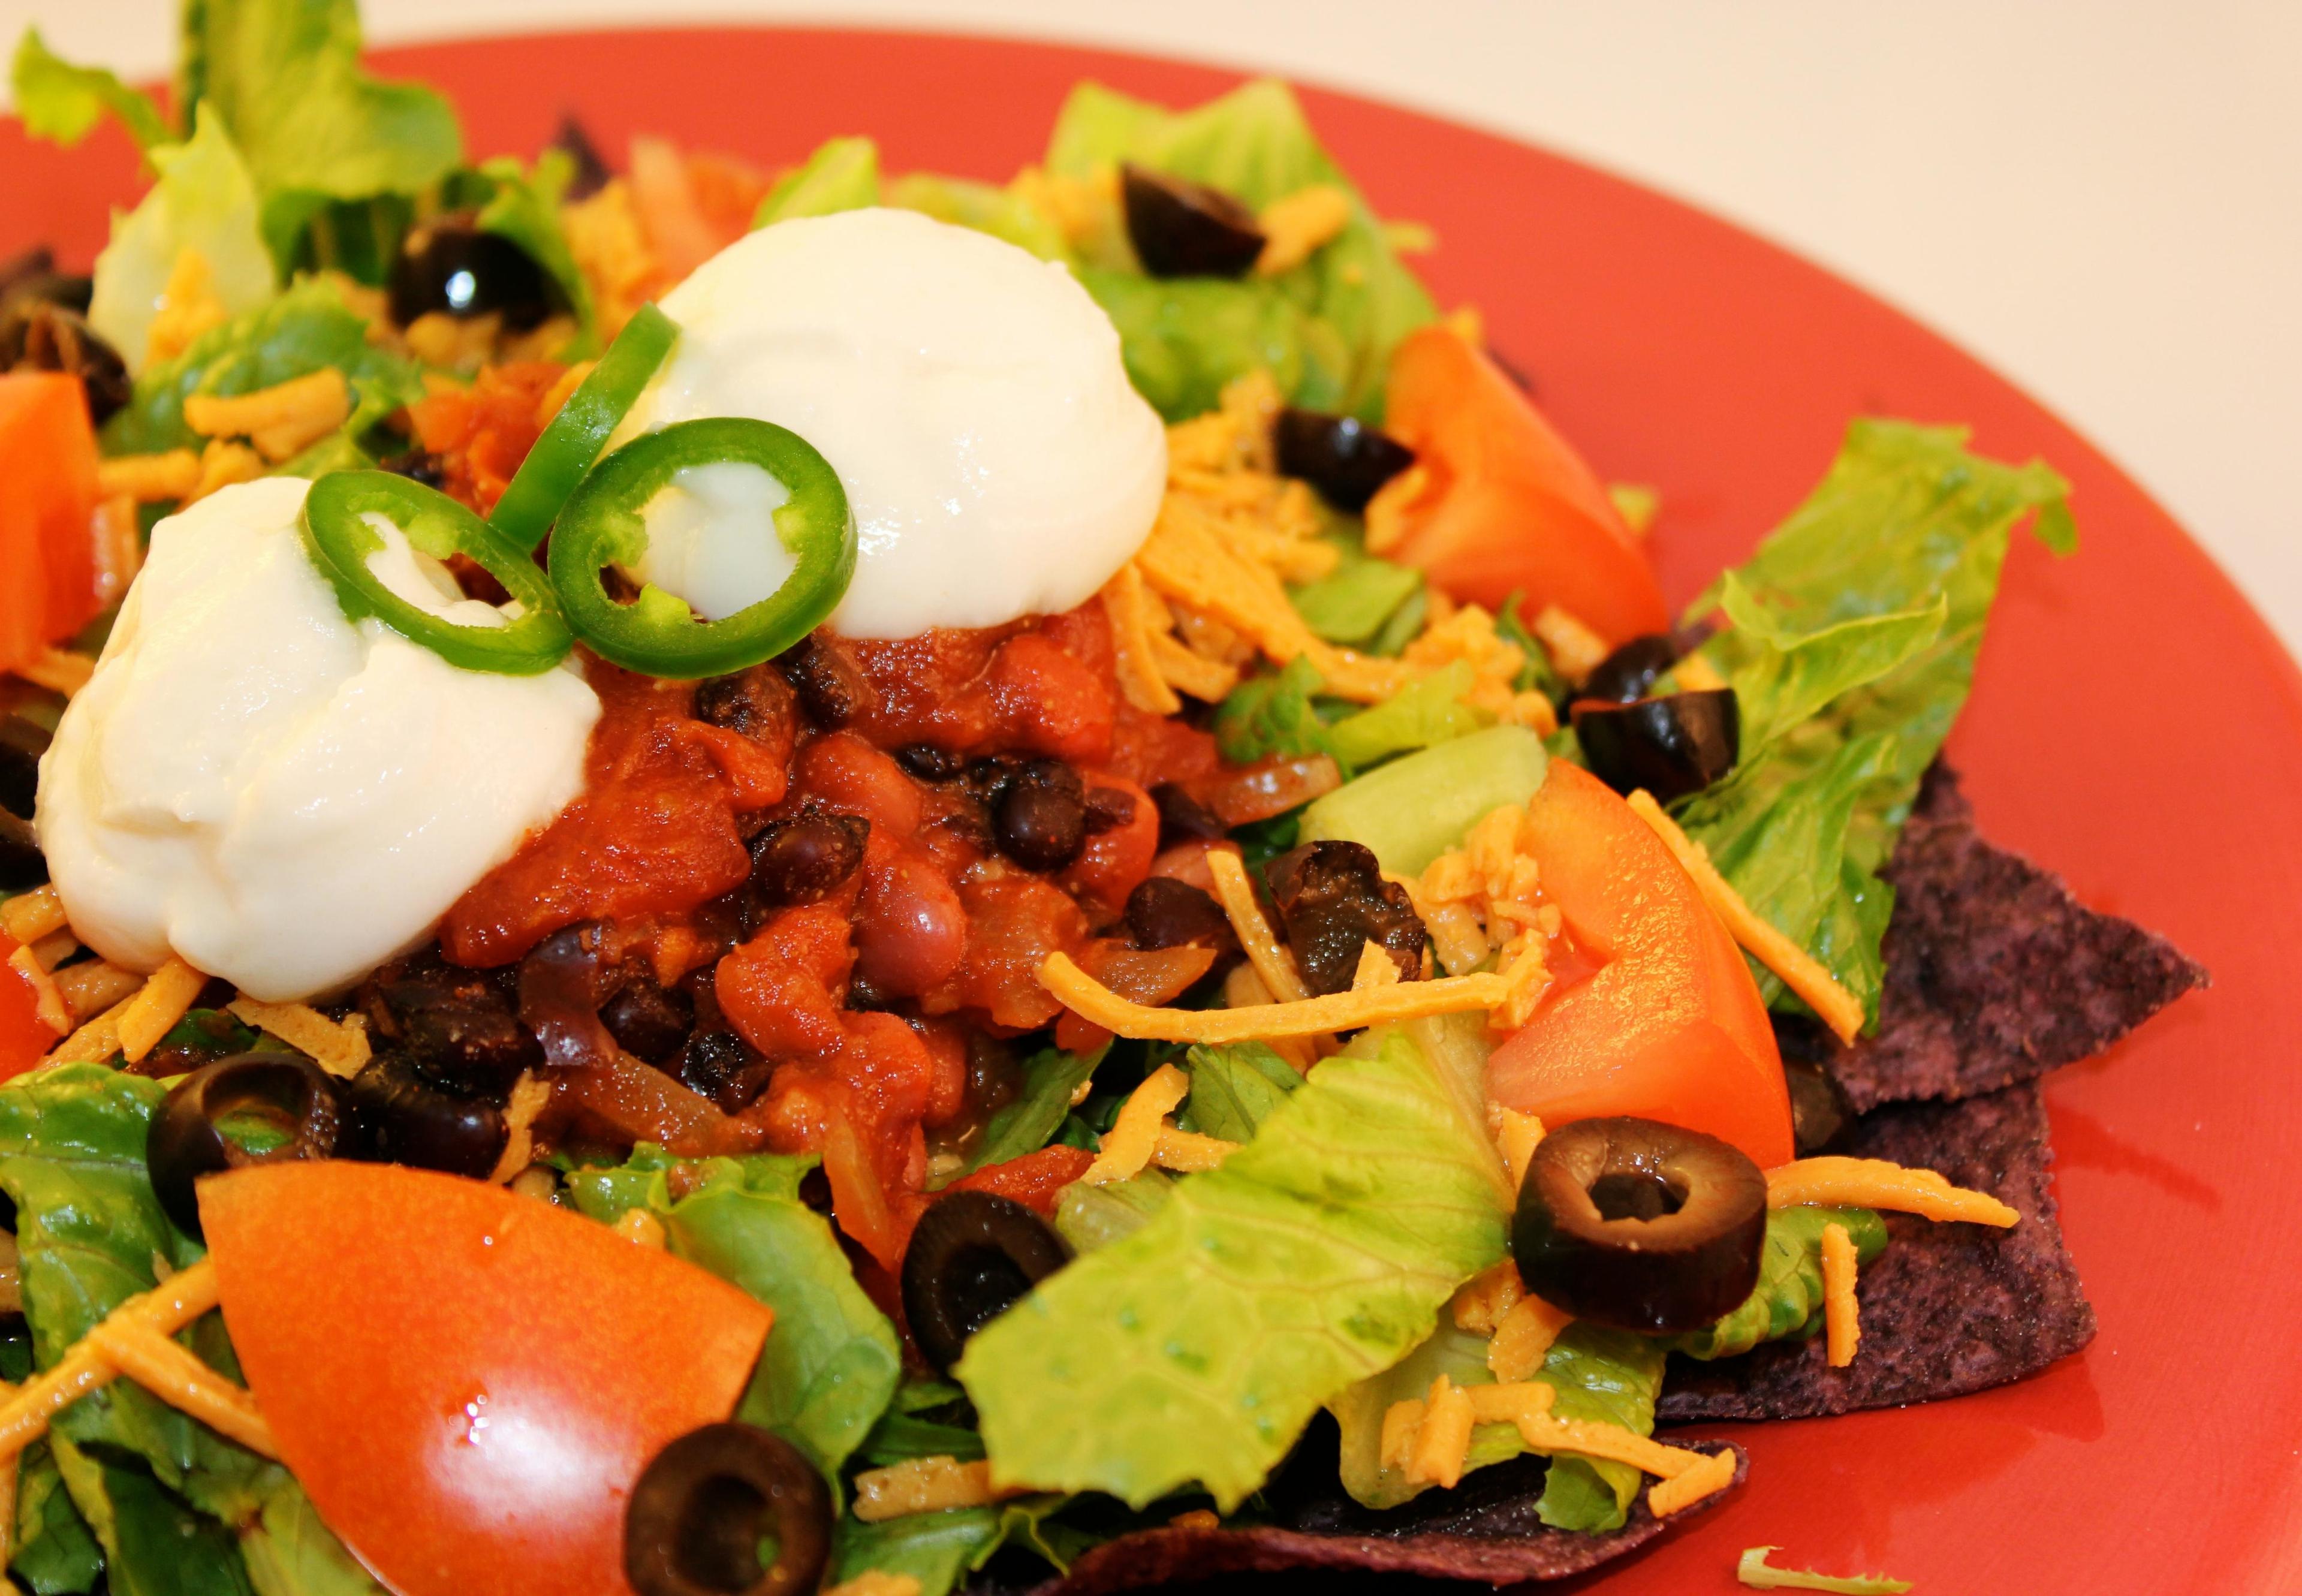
460 1027
928 762
400 1116
799 860
647 1020
995 1076
39 334
722 1066
1042 817
1108 809
756 703
832 689
1333 900
1183 819
1165 912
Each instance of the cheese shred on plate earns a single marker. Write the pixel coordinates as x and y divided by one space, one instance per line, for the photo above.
1754 1571
1874 1183
1840 1313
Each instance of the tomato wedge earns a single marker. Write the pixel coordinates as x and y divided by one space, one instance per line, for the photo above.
25 1038
1671 1026
47 514
1510 507
467 1383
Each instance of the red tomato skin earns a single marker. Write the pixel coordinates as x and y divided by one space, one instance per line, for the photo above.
467 1383
1670 1027
24 1039
1036 1179
1511 505
47 510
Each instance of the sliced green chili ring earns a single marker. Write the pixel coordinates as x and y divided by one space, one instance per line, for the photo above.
342 542
582 429
605 523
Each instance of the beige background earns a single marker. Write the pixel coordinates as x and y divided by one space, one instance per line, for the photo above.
2103 199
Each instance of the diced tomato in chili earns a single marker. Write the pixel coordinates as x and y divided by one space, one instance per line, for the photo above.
24 1037
483 432
1036 1179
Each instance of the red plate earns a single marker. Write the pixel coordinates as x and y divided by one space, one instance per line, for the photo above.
2135 727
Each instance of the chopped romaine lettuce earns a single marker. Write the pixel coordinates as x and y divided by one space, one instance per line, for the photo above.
842 175
1235 1089
1199 1347
1415 809
1255 144
1429 712
55 1553
285 76
1030 1120
523 207
1003 213
1090 1217
204 202
1353 602
1908 525
1787 1300
832 1363
60 101
300 330
1271 716
941 1549
1183 338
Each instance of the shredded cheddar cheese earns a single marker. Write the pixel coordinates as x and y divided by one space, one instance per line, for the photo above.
1800 971
1244 989
1387 512
47 1004
95 1040
150 479
1188 1153
1481 1302
224 465
281 421
640 1227
1707 1478
1485 899
1401 1421
530 1094
29 916
924 1485
1516 1136
1694 674
95 985
1134 659
119 548
1198 1518
189 307
1091 999
1522 1340
342 1050
1575 650
1841 1314
171 1370
1294 226
1134 1135
1376 968
1443 1441
1874 1183
152 1012
1273 962
874 1582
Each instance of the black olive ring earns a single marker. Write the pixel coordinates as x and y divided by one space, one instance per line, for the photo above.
183 1142
703 1508
971 1257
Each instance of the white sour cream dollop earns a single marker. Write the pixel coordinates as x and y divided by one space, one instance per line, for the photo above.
970 397
276 794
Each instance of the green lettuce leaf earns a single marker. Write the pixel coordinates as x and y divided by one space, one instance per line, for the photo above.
56 1555
1093 1217
1787 1300
285 76
986 207
154 1544
205 201
523 205
941 1549
900 1436
1353 602
287 1552
842 175
1235 1089
1255 144
832 1363
300 330
1271 715
63 102
1198 1347
1908 525
1030 1120
1599 1373
1183 338
1430 710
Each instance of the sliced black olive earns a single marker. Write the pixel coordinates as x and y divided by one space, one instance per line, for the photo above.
21 744
1041 817
22 865
1671 746
704 1510
1640 1225
397 1116
1820 1116
1333 901
42 334
799 860
451 266
1342 457
648 1021
288 1092
1188 229
33 275
591 173
1628 674
972 1257
1165 912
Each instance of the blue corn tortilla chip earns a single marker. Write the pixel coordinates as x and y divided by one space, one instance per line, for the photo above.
1994 972
1948 1308
1485 1529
